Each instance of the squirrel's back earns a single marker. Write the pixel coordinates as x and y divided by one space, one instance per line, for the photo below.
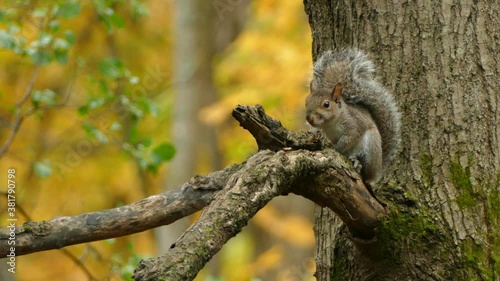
355 70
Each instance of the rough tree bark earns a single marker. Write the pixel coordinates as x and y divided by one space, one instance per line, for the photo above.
440 59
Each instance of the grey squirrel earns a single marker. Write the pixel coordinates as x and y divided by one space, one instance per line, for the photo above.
356 112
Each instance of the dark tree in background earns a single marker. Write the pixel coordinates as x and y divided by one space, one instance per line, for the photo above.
440 59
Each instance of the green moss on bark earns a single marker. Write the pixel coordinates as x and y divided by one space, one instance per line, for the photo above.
461 178
415 228
495 255
427 167
340 263
493 206
493 219
481 259
475 258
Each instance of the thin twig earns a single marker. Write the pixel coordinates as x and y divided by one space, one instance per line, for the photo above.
19 115
79 263
29 88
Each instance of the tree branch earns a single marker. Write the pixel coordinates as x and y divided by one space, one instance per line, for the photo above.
322 176
270 134
151 212
288 162
19 115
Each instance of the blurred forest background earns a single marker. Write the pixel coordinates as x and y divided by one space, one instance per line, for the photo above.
105 102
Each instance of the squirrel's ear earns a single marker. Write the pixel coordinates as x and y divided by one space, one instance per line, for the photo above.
313 86
337 92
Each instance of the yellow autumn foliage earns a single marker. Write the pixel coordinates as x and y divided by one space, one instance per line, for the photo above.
268 64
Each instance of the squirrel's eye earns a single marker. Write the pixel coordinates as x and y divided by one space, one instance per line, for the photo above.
326 104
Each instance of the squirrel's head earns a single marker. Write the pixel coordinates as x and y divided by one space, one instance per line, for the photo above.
323 104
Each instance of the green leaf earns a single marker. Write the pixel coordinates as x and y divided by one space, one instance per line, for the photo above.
61 56
135 110
93 132
42 169
43 40
69 10
88 127
138 9
54 26
61 44
70 37
147 106
39 12
116 20
133 136
46 96
146 142
83 110
111 67
95 102
151 167
100 136
162 153
61 47
7 41
104 88
40 57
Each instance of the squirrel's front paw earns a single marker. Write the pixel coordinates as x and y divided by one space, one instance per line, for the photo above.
312 129
355 162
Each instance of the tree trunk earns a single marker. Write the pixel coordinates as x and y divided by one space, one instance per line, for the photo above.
440 60
192 53
201 32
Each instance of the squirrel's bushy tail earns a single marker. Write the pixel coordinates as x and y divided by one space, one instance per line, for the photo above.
355 71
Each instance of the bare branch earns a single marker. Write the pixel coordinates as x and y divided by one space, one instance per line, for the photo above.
148 213
19 115
80 264
28 90
270 134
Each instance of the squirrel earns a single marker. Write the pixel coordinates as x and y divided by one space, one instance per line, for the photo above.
355 112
